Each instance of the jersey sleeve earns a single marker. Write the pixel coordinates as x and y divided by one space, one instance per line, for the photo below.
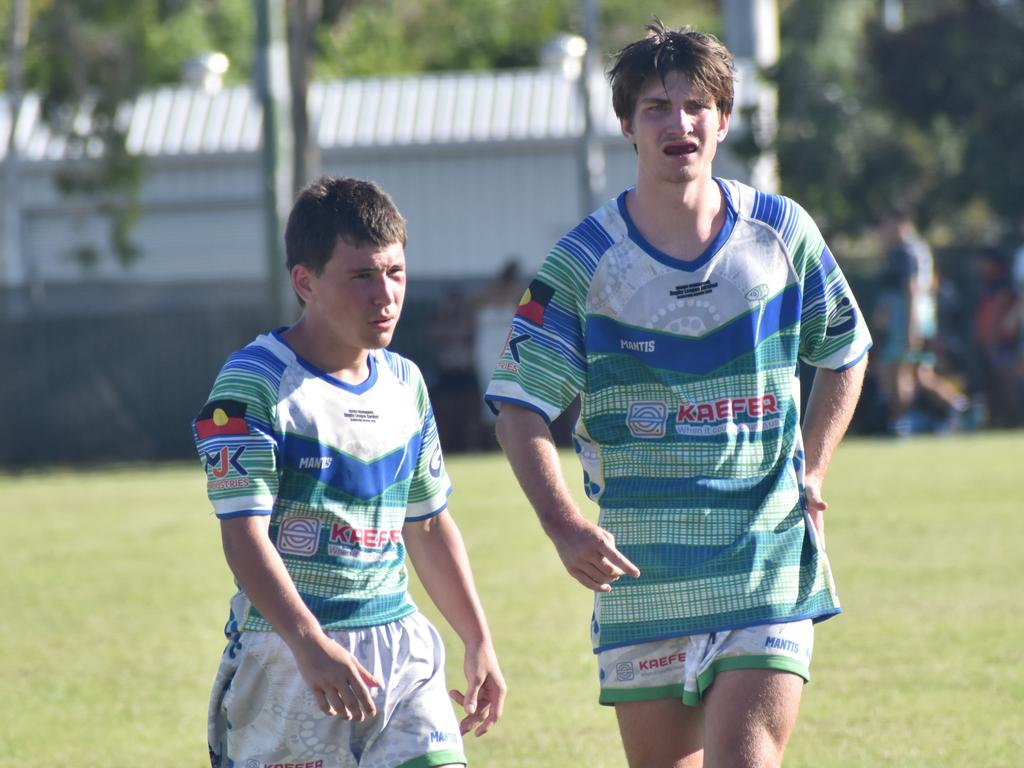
543 364
833 332
430 486
235 439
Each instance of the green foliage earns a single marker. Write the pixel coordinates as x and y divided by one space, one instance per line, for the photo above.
403 36
90 57
116 591
926 116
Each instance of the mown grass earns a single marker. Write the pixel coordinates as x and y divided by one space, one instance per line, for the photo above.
115 592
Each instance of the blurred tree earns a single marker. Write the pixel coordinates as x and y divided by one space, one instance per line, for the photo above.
404 36
925 115
87 58
953 80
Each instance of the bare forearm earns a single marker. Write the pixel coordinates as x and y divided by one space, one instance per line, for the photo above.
259 570
438 554
830 407
531 452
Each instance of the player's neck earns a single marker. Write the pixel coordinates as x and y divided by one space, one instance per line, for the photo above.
678 219
332 356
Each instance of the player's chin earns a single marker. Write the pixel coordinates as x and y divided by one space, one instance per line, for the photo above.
380 339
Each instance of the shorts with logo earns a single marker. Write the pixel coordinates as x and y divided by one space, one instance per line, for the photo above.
684 667
263 715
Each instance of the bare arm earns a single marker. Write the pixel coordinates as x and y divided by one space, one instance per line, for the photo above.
587 550
439 555
830 408
338 681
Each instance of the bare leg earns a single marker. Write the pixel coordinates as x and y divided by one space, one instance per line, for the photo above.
749 715
661 734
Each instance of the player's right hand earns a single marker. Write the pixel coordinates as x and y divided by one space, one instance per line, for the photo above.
340 684
589 554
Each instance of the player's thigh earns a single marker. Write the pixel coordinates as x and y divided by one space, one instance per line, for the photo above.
663 733
749 716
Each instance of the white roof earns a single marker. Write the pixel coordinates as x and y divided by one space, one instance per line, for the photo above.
519 105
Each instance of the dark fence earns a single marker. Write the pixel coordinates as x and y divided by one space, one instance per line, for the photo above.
123 384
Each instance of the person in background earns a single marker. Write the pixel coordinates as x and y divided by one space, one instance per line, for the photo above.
908 315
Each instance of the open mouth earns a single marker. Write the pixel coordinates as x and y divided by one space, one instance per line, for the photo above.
680 148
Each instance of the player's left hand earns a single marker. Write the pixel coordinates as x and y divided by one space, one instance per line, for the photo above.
485 690
816 506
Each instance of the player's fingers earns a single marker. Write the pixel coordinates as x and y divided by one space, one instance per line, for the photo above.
587 581
359 701
337 704
322 704
619 560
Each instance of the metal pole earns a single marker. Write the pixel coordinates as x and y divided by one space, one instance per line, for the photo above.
590 150
276 150
752 34
14 270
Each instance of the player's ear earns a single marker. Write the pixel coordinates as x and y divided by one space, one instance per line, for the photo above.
302 282
626 126
723 126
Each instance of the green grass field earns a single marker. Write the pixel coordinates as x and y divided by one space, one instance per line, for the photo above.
115 591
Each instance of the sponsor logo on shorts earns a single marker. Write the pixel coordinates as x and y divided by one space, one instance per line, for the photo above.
647 419
624 671
781 644
306 764
444 737
299 536
662 661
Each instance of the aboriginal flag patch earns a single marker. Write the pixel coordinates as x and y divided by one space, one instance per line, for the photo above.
535 302
221 417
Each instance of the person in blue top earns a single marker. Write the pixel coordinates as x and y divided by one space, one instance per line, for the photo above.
325 470
679 313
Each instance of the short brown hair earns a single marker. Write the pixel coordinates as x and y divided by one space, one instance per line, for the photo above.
357 211
700 56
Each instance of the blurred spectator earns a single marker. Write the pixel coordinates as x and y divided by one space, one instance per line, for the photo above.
455 392
996 334
916 396
493 308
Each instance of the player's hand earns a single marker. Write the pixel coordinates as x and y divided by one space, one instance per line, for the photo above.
340 684
485 690
816 506
589 554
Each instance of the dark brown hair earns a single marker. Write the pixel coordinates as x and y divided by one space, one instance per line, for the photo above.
700 56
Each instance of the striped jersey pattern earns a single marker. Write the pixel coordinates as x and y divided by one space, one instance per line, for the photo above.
689 431
339 469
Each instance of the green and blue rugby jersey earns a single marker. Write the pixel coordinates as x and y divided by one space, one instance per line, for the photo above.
689 429
339 468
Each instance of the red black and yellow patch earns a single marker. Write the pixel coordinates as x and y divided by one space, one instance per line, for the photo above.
221 417
534 302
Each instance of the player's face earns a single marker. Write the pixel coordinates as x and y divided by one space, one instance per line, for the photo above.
358 297
676 129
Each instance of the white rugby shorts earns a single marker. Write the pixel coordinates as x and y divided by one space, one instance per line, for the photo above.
684 667
263 715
